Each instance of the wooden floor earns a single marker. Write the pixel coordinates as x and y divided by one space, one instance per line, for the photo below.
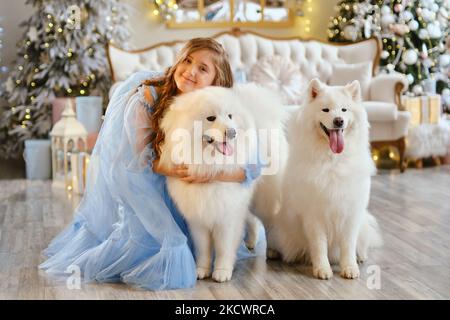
413 210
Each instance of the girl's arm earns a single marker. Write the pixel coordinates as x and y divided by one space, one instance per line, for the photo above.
236 176
239 176
143 123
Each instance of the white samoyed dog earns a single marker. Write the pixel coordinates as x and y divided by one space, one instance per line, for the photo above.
326 187
213 130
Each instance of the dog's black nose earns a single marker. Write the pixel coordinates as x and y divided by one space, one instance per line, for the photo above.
338 122
230 133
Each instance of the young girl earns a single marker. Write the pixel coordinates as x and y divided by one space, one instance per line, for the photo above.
126 227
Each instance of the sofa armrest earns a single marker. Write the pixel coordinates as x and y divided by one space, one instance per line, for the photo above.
388 87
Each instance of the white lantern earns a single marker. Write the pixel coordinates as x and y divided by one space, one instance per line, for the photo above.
68 136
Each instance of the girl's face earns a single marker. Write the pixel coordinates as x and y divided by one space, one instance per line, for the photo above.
195 72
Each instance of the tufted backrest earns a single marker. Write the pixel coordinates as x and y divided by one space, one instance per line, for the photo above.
313 58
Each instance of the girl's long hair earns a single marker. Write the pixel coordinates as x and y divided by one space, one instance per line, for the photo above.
168 87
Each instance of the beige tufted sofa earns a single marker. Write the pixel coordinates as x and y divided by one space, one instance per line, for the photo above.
314 59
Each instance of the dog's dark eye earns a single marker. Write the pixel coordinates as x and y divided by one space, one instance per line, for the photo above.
211 118
325 110
230 116
344 110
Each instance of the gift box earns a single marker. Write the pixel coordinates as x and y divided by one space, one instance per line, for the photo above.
423 109
58 105
89 113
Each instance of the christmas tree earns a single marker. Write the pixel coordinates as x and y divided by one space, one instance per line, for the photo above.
62 54
3 69
413 34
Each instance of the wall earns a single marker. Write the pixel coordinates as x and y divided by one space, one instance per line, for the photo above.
147 30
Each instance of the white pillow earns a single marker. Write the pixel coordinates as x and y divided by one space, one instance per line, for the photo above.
346 73
281 75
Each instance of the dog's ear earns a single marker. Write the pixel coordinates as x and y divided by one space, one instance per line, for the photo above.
314 88
354 88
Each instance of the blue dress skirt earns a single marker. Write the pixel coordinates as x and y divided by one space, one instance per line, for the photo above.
126 227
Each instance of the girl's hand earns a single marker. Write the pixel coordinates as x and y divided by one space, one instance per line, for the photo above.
177 171
236 176
182 172
197 179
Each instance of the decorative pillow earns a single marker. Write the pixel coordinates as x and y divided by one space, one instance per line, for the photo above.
281 75
345 73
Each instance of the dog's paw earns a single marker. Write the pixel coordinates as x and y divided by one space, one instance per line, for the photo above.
361 258
272 254
323 272
203 273
222 275
350 272
250 243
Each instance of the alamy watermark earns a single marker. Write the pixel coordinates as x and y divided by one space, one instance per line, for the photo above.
73 281
374 279
226 146
73 17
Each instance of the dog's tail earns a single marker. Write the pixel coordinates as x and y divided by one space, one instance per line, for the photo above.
369 237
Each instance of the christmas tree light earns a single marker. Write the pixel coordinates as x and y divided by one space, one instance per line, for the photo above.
62 54
413 34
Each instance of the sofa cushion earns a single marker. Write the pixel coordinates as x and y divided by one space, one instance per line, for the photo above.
344 73
380 111
281 75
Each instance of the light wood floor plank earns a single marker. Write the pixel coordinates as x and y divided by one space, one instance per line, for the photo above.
413 210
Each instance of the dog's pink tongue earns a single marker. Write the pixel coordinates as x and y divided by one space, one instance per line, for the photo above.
226 148
336 141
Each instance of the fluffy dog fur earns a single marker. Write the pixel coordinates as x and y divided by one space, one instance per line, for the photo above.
326 187
216 212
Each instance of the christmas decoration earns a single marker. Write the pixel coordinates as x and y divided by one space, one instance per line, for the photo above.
62 54
423 109
166 9
413 34
68 137
37 156
80 165
3 69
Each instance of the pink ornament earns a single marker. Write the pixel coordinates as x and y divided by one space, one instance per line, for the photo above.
399 29
398 7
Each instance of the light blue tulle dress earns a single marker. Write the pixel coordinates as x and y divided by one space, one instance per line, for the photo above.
126 227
